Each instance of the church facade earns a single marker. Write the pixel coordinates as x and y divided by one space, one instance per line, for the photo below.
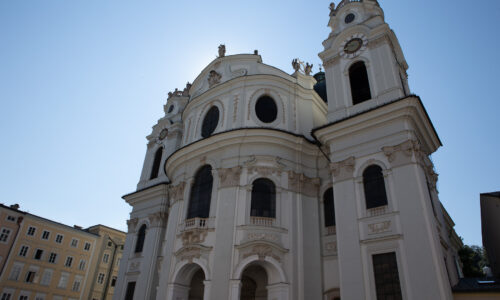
259 184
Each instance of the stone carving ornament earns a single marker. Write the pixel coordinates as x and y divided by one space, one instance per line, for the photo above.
176 192
299 183
379 227
344 169
230 177
213 78
131 224
158 219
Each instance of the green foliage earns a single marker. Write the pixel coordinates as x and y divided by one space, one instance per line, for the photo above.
473 259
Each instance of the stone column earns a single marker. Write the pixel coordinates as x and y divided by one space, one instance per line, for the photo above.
235 289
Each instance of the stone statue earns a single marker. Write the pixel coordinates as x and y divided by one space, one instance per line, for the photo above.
222 50
185 92
308 69
332 9
296 64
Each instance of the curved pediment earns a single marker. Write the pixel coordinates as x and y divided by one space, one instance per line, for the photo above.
225 68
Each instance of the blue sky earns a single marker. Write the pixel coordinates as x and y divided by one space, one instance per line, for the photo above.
82 82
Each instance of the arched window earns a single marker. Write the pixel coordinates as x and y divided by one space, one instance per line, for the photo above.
156 164
263 199
141 236
360 87
201 192
210 122
373 182
329 208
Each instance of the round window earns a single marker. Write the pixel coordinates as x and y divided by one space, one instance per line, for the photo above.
266 109
349 18
210 122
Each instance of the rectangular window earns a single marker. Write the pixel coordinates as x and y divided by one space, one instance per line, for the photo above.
31 231
387 284
74 243
69 261
16 271
63 281
81 266
129 294
30 276
105 258
59 238
38 254
23 251
100 278
6 296
87 246
113 281
53 258
40 297
23 297
11 219
76 284
45 235
4 235
46 277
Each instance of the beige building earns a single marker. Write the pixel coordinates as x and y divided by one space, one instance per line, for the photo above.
109 251
43 259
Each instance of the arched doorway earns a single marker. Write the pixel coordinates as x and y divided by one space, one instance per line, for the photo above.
190 283
254 283
196 288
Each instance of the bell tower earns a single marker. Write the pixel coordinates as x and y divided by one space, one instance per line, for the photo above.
363 61
390 237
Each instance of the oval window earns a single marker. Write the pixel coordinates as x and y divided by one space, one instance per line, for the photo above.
210 122
349 18
266 109
171 108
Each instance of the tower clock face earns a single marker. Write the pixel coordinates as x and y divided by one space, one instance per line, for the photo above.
163 134
353 45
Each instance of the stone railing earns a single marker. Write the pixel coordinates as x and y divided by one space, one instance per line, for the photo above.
196 223
262 221
331 230
377 211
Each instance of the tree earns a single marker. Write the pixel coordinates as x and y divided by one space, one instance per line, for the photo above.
473 259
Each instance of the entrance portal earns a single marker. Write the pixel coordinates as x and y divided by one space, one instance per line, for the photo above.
254 283
196 287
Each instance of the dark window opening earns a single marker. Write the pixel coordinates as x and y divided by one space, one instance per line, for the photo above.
201 192
156 164
129 294
38 254
263 199
210 122
141 236
387 284
329 208
113 281
266 109
373 182
360 87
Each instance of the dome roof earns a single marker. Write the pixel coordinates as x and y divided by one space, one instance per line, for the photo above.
320 86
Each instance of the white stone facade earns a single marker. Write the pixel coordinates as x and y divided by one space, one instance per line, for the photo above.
308 147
